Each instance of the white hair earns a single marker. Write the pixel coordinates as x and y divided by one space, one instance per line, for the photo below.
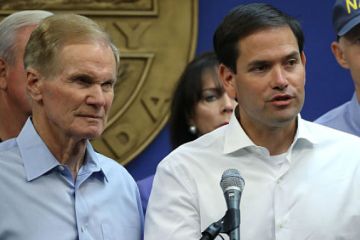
10 26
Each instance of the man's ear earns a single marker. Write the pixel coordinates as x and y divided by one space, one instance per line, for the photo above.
228 79
339 54
3 74
303 58
33 85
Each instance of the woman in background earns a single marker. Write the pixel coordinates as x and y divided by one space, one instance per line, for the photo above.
199 105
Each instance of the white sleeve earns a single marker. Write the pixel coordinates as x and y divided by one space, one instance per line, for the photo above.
173 211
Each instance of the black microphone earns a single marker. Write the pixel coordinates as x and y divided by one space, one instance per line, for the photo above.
232 185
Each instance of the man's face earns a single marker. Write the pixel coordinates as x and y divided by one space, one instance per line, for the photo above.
270 78
347 53
16 75
76 101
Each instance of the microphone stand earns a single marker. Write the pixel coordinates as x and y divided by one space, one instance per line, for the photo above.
212 231
228 224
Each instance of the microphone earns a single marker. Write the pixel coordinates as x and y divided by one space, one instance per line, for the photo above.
232 185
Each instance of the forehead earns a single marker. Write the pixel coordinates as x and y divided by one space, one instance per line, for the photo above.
97 51
354 33
268 42
209 78
95 57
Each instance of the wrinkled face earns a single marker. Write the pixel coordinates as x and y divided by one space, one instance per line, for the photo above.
76 101
16 78
215 107
347 52
270 78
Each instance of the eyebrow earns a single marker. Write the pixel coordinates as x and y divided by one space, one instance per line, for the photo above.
294 54
89 78
83 76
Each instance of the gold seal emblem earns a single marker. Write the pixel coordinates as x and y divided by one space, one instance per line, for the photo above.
156 39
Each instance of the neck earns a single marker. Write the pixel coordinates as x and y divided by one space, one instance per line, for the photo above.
67 150
71 154
12 119
276 139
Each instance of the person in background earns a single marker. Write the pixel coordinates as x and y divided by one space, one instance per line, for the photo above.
301 178
199 105
53 184
15 108
346 49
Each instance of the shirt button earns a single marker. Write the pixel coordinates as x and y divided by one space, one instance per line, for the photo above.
61 168
83 229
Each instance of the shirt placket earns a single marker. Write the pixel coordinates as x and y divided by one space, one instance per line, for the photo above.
281 209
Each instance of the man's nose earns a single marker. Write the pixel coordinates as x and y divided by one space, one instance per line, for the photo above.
279 78
96 96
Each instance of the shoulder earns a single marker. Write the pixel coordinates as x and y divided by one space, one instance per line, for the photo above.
325 134
9 152
11 164
114 171
8 145
333 115
195 154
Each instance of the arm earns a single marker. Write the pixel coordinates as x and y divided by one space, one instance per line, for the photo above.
173 211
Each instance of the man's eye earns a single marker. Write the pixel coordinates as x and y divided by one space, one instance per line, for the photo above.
292 62
82 81
108 85
259 68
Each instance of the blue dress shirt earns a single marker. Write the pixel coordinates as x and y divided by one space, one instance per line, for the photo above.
345 117
40 200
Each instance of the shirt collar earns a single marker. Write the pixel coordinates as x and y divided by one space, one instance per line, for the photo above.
236 138
92 162
304 133
38 159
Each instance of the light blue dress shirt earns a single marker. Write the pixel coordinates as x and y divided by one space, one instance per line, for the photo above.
345 117
40 200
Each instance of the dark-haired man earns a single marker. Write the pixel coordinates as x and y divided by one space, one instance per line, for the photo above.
301 179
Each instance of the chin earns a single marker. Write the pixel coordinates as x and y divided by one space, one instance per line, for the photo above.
285 120
90 134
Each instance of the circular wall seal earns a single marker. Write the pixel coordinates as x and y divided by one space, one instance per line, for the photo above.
156 38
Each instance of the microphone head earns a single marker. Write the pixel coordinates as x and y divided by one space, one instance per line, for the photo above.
231 178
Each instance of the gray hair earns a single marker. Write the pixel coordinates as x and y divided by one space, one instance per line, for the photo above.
54 32
9 27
